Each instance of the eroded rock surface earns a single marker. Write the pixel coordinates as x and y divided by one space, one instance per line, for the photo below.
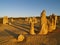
5 20
43 23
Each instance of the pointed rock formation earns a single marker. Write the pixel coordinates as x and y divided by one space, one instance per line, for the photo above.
43 23
34 20
52 23
55 21
32 26
30 20
32 29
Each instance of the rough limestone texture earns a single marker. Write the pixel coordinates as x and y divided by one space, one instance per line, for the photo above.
20 38
55 21
34 20
47 25
30 20
5 20
32 28
43 23
52 23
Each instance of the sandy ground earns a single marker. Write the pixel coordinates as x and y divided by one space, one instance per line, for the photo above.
10 33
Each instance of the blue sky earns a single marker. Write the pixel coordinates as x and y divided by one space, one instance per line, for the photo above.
23 8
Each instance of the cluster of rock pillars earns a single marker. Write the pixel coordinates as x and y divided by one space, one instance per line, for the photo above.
46 25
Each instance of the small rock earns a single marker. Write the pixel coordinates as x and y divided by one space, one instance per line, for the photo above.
43 23
20 38
10 24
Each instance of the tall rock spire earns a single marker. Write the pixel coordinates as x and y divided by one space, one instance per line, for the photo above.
43 13
43 23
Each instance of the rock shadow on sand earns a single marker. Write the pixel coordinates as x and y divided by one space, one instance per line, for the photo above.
12 33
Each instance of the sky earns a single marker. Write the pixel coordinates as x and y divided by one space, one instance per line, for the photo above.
27 8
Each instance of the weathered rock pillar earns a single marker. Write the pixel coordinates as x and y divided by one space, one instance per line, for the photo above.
32 29
32 26
52 23
55 22
43 23
5 20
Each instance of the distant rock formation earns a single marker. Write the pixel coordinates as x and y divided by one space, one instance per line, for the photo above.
12 20
30 20
35 20
27 20
32 29
52 22
5 20
32 26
